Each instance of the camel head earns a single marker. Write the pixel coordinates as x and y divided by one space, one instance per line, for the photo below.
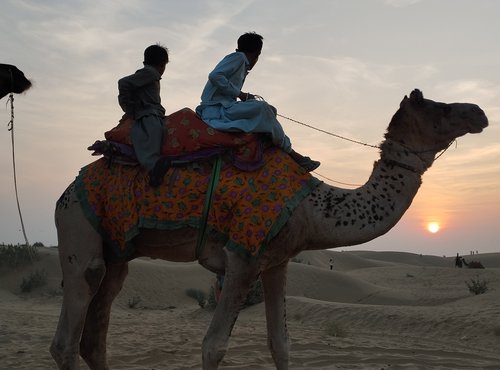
12 80
425 126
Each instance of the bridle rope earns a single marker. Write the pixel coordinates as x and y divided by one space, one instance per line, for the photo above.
10 127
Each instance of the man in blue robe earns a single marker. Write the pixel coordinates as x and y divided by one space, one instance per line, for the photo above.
219 106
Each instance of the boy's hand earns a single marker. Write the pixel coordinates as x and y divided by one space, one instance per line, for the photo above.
245 96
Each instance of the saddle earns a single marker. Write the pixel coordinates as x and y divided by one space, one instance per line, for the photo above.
188 139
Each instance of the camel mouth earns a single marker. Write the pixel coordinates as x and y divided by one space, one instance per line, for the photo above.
478 128
476 120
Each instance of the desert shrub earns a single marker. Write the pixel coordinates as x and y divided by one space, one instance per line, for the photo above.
17 255
199 295
54 292
211 301
134 301
477 286
297 260
333 329
35 280
255 295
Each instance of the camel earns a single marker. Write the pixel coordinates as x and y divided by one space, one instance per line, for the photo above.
330 217
473 264
12 80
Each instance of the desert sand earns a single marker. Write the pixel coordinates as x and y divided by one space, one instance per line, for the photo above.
373 310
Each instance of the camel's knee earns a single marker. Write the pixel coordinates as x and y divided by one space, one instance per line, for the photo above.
279 346
93 358
94 273
65 360
88 353
279 352
56 353
212 353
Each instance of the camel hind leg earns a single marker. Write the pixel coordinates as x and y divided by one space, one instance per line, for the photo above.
83 268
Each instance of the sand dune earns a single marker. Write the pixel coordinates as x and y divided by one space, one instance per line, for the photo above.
374 310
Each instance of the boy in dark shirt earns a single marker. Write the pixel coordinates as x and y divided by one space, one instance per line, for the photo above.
139 97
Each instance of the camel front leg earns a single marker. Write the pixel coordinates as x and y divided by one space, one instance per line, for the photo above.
240 275
274 284
77 296
93 342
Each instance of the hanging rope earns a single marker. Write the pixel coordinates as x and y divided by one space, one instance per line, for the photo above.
329 133
10 127
335 181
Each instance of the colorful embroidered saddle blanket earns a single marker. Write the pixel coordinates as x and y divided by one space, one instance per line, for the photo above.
188 138
249 208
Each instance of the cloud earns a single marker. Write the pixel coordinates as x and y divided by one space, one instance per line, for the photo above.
401 3
482 92
475 89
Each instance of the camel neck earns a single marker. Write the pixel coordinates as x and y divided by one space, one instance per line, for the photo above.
397 154
344 217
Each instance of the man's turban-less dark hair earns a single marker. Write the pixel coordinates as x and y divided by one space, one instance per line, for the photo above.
250 42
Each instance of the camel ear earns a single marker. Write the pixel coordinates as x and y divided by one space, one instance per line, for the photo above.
404 101
417 96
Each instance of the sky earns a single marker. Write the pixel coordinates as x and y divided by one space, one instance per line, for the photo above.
342 66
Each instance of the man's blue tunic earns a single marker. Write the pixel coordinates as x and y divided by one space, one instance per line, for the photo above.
220 109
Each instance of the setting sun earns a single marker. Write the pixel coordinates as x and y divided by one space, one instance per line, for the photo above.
433 227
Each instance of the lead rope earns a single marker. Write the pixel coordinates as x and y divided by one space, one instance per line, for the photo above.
10 127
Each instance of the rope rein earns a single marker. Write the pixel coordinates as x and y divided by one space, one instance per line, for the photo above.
10 127
359 143
258 97
329 133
